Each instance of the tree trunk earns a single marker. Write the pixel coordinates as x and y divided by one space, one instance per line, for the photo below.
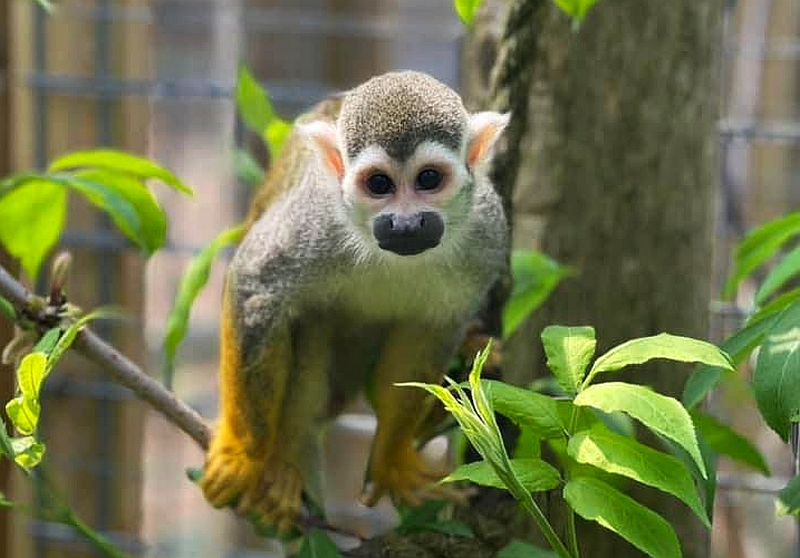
611 158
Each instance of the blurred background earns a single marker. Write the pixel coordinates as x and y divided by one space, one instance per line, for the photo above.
155 77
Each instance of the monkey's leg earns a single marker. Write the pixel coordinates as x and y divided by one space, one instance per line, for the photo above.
396 466
253 377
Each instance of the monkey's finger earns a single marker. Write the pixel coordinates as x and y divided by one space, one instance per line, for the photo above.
252 499
450 493
214 486
373 495
411 498
225 496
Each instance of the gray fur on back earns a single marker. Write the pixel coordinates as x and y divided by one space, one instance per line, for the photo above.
397 111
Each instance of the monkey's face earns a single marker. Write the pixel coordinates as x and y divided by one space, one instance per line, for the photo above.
406 206
407 156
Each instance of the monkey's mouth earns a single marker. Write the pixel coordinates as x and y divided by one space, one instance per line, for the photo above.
408 246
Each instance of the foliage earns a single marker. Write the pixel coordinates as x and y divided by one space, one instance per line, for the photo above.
576 9
773 329
535 276
194 279
33 205
257 112
594 454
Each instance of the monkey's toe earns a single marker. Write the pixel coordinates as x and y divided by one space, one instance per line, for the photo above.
228 474
407 477
278 499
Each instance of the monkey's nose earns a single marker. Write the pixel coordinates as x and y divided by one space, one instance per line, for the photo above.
407 224
408 234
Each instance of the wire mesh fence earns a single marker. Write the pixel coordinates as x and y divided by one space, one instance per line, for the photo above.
157 76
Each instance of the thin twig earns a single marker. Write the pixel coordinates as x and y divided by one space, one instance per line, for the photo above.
119 368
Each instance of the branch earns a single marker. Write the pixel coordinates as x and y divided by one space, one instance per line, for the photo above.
119 368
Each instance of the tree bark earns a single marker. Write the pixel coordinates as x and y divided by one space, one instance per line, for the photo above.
611 159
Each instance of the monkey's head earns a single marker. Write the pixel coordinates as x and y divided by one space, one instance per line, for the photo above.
408 156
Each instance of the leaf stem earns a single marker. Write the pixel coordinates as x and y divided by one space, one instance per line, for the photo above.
572 533
525 498
96 539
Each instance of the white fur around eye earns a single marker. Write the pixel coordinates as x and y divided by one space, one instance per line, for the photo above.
373 157
431 153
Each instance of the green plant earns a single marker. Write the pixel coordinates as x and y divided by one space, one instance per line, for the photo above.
576 9
774 329
583 430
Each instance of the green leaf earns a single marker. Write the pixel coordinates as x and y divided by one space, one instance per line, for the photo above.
252 102
776 379
774 306
317 544
192 282
46 5
725 441
415 519
32 217
24 414
646 530
789 498
708 486
466 9
7 309
31 373
528 445
119 162
661 414
759 245
6 447
520 549
534 474
28 451
664 345
68 337
576 9
247 168
534 278
738 346
569 351
535 411
194 474
787 268
275 136
425 517
48 341
152 220
5 502
627 457
118 208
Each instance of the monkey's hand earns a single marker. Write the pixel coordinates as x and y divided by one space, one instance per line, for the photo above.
270 490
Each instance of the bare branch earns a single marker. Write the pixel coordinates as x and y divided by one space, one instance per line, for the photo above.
120 369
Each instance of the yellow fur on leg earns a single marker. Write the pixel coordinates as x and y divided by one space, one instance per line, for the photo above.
244 463
404 474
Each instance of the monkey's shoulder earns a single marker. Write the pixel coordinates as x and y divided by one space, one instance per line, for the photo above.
296 156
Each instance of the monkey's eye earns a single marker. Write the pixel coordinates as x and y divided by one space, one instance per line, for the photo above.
429 179
380 185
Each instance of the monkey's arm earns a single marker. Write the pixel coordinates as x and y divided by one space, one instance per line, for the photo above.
255 357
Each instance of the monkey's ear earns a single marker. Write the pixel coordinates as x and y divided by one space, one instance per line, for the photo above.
323 137
483 130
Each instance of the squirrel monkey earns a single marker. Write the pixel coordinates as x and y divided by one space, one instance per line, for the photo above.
370 247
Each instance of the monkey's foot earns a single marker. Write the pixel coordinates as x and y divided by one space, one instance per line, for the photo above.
407 477
270 491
